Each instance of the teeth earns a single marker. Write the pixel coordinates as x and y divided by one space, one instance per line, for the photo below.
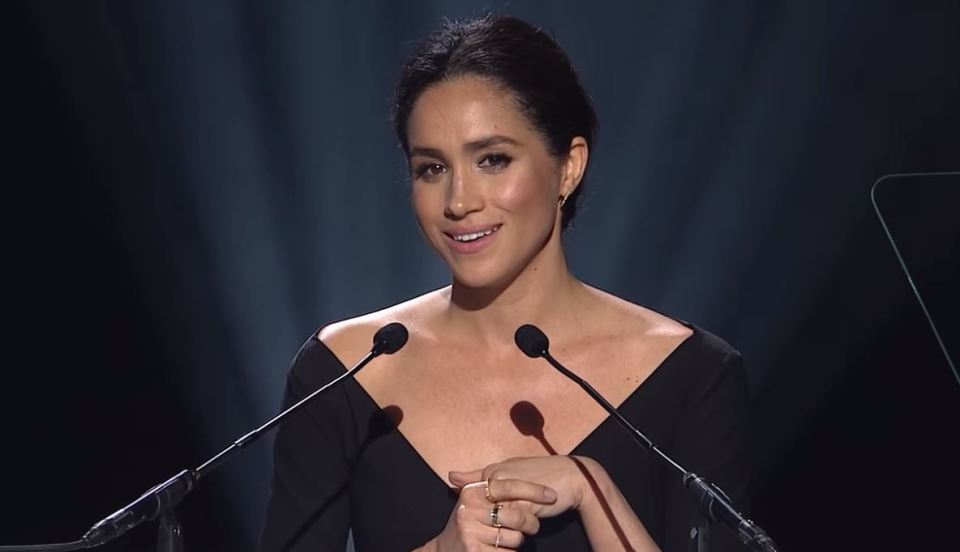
474 236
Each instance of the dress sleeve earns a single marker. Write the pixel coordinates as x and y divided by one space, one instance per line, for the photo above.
309 508
709 440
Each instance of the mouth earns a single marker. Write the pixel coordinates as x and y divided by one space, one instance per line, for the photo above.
473 240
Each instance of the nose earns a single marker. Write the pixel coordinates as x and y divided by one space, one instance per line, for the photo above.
463 196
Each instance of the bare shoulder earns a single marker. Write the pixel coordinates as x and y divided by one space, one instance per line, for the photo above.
623 343
353 337
636 320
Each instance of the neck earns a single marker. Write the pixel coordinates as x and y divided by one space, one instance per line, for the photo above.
544 292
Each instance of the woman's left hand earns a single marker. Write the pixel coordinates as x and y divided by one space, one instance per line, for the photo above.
569 476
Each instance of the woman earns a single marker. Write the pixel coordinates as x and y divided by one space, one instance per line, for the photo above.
459 441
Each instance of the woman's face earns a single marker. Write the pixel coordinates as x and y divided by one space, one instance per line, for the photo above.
485 187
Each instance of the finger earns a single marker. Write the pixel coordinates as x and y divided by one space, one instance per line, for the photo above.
460 478
474 493
500 490
513 515
503 538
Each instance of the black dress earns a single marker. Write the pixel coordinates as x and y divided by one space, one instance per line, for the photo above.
341 465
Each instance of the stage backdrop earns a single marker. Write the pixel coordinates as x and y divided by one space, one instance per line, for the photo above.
197 186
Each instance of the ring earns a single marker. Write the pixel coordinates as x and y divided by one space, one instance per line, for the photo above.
486 490
495 517
497 543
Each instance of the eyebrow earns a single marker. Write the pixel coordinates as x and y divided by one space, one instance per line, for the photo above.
475 145
494 140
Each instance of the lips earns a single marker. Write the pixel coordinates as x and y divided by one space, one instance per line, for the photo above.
471 239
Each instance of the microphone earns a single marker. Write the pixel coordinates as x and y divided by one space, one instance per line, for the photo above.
161 499
389 339
714 503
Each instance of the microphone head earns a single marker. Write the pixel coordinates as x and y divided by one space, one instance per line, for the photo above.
389 339
532 341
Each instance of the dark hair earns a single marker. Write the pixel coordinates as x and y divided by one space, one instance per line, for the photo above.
511 52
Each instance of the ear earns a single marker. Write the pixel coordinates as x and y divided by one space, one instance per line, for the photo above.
574 166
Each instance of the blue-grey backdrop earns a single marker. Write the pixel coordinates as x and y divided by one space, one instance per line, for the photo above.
198 185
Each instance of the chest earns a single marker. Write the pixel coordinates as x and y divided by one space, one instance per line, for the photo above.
463 413
441 433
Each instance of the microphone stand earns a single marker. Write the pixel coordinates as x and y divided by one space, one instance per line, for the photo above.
170 537
161 500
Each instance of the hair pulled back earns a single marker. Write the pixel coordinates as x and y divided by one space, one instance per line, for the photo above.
516 55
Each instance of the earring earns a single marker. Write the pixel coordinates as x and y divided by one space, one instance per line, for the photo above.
563 199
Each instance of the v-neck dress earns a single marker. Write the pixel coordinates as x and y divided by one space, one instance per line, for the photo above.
341 465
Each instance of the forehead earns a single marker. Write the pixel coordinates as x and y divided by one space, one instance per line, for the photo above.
464 109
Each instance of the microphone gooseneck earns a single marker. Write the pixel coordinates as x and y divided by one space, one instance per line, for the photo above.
388 340
161 499
535 344
713 502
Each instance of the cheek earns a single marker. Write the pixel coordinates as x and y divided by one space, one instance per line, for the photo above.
417 204
528 192
424 204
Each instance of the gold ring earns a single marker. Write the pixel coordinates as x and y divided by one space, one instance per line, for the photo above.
495 516
497 543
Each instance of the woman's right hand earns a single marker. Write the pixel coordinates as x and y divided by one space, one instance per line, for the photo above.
471 524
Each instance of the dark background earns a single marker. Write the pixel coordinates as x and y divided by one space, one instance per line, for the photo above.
192 188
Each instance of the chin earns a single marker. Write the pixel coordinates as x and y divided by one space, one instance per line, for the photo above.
475 279
481 278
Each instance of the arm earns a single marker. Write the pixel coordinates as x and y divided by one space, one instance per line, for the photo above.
710 440
608 519
309 505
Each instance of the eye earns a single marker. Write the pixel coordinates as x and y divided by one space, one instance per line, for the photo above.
429 171
495 161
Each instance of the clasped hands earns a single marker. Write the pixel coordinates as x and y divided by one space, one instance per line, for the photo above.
501 503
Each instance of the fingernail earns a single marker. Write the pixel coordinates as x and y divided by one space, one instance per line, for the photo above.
550 494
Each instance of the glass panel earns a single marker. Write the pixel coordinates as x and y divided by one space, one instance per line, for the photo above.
921 215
